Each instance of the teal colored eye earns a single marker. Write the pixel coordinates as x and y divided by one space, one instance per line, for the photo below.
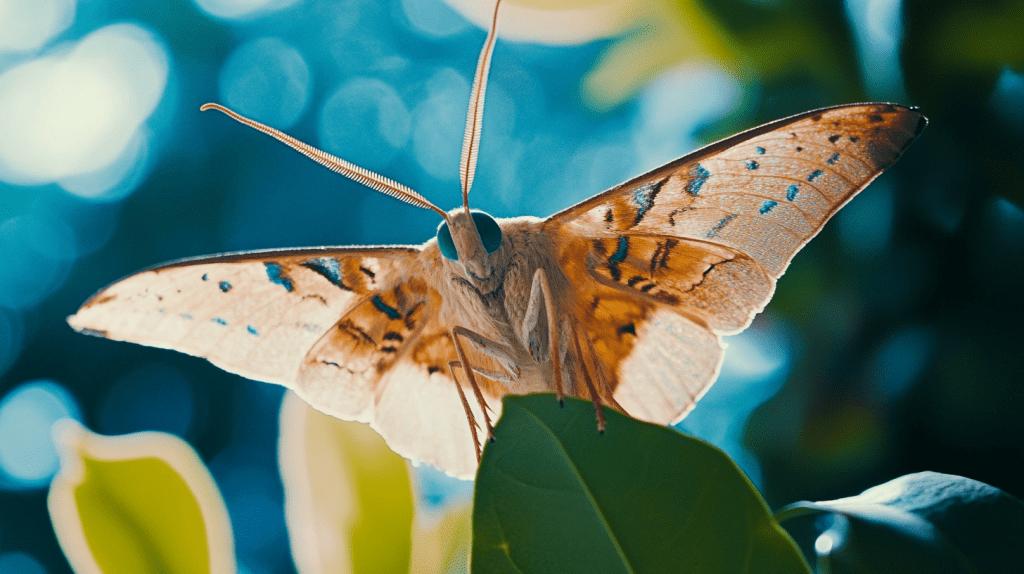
445 243
490 231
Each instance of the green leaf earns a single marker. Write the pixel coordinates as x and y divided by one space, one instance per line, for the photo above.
348 497
552 495
137 504
924 522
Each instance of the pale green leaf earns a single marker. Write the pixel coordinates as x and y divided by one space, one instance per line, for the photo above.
348 497
137 504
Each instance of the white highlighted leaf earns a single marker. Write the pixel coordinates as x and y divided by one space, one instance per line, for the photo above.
554 22
137 504
348 497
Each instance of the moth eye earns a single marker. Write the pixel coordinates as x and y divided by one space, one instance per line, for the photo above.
490 231
445 243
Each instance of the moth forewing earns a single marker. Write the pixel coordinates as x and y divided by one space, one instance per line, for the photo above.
255 314
705 238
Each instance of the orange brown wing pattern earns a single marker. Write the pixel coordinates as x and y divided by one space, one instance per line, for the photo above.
255 314
704 238
355 332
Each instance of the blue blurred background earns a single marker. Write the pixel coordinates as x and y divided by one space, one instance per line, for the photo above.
893 344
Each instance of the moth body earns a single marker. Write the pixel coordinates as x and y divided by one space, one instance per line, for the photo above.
496 307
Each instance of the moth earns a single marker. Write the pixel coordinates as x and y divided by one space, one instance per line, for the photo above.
621 299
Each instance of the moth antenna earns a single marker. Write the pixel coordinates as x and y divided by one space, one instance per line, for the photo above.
336 164
475 115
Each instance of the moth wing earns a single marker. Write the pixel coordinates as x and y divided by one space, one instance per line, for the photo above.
356 332
697 245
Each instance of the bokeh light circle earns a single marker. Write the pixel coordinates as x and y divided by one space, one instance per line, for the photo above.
366 122
118 178
241 9
77 111
37 253
28 457
20 563
675 105
267 80
27 25
438 124
434 18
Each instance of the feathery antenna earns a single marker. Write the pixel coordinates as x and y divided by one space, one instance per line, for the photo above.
336 164
475 116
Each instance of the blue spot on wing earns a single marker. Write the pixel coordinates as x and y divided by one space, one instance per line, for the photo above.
791 192
814 175
833 159
224 286
186 316
252 330
751 164
219 321
275 272
767 206
620 251
760 150
720 225
329 268
618 257
383 307
700 175
206 277
643 196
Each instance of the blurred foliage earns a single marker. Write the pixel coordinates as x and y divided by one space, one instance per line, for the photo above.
924 522
347 496
954 56
553 495
138 504
662 35
349 502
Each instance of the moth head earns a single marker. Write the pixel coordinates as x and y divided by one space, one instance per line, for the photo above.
472 240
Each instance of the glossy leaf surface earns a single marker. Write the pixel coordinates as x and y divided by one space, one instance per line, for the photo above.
923 522
552 495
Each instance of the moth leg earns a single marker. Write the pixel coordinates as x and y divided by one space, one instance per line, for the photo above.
591 390
469 412
493 375
602 380
497 351
540 293
471 375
